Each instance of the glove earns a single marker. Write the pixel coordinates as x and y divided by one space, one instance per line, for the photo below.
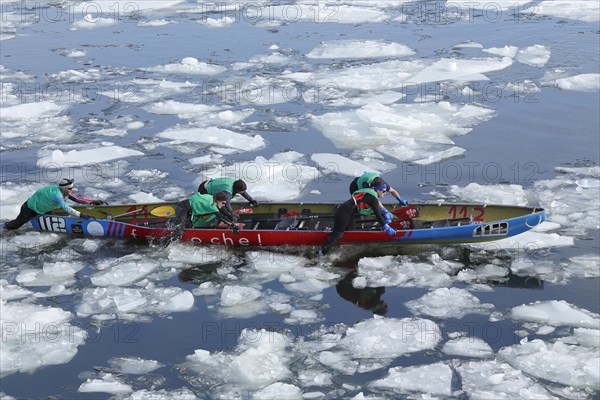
254 203
86 216
401 201
389 230
387 216
236 230
98 203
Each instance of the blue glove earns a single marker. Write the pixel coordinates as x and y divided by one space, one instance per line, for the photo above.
401 201
387 216
389 230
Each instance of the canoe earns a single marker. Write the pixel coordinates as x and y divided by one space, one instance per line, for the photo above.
302 224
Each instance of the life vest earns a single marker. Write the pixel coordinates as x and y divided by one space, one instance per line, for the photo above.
203 209
362 207
44 200
217 185
367 178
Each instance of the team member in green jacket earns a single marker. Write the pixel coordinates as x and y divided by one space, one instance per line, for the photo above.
365 181
231 187
201 210
47 199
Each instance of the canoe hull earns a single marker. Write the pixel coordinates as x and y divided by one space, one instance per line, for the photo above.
140 226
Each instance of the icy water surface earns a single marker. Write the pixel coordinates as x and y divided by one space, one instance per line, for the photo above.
483 102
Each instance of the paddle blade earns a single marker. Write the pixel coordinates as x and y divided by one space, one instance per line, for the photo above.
402 224
163 211
406 212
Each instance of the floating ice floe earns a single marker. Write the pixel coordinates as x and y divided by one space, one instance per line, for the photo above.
74 76
134 365
468 45
536 55
12 196
334 163
197 255
409 132
458 70
556 313
162 394
404 271
147 175
400 74
133 303
213 135
35 336
504 194
265 266
584 10
43 120
58 159
124 273
571 202
125 7
12 292
155 23
585 171
468 347
32 241
490 7
359 49
58 273
433 379
259 360
279 391
139 91
506 51
586 266
217 23
108 383
319 13
582 82
560 361
8 74
142 197
234 295
495 379
90 21
202 115
448 303
387 338
188 65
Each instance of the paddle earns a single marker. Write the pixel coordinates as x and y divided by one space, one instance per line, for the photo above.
235 229
161 211
406 212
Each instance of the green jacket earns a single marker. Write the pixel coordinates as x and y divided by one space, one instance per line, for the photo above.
49 198
367 178
202 205
363 209
217 185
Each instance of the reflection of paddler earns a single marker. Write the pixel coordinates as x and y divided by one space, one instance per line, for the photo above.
367 298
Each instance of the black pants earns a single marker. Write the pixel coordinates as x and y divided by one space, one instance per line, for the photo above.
202 188
343 220
24 216
353 186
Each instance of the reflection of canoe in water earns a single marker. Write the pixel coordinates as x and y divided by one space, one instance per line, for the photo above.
304 224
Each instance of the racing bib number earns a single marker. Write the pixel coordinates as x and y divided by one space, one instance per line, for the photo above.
52 224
